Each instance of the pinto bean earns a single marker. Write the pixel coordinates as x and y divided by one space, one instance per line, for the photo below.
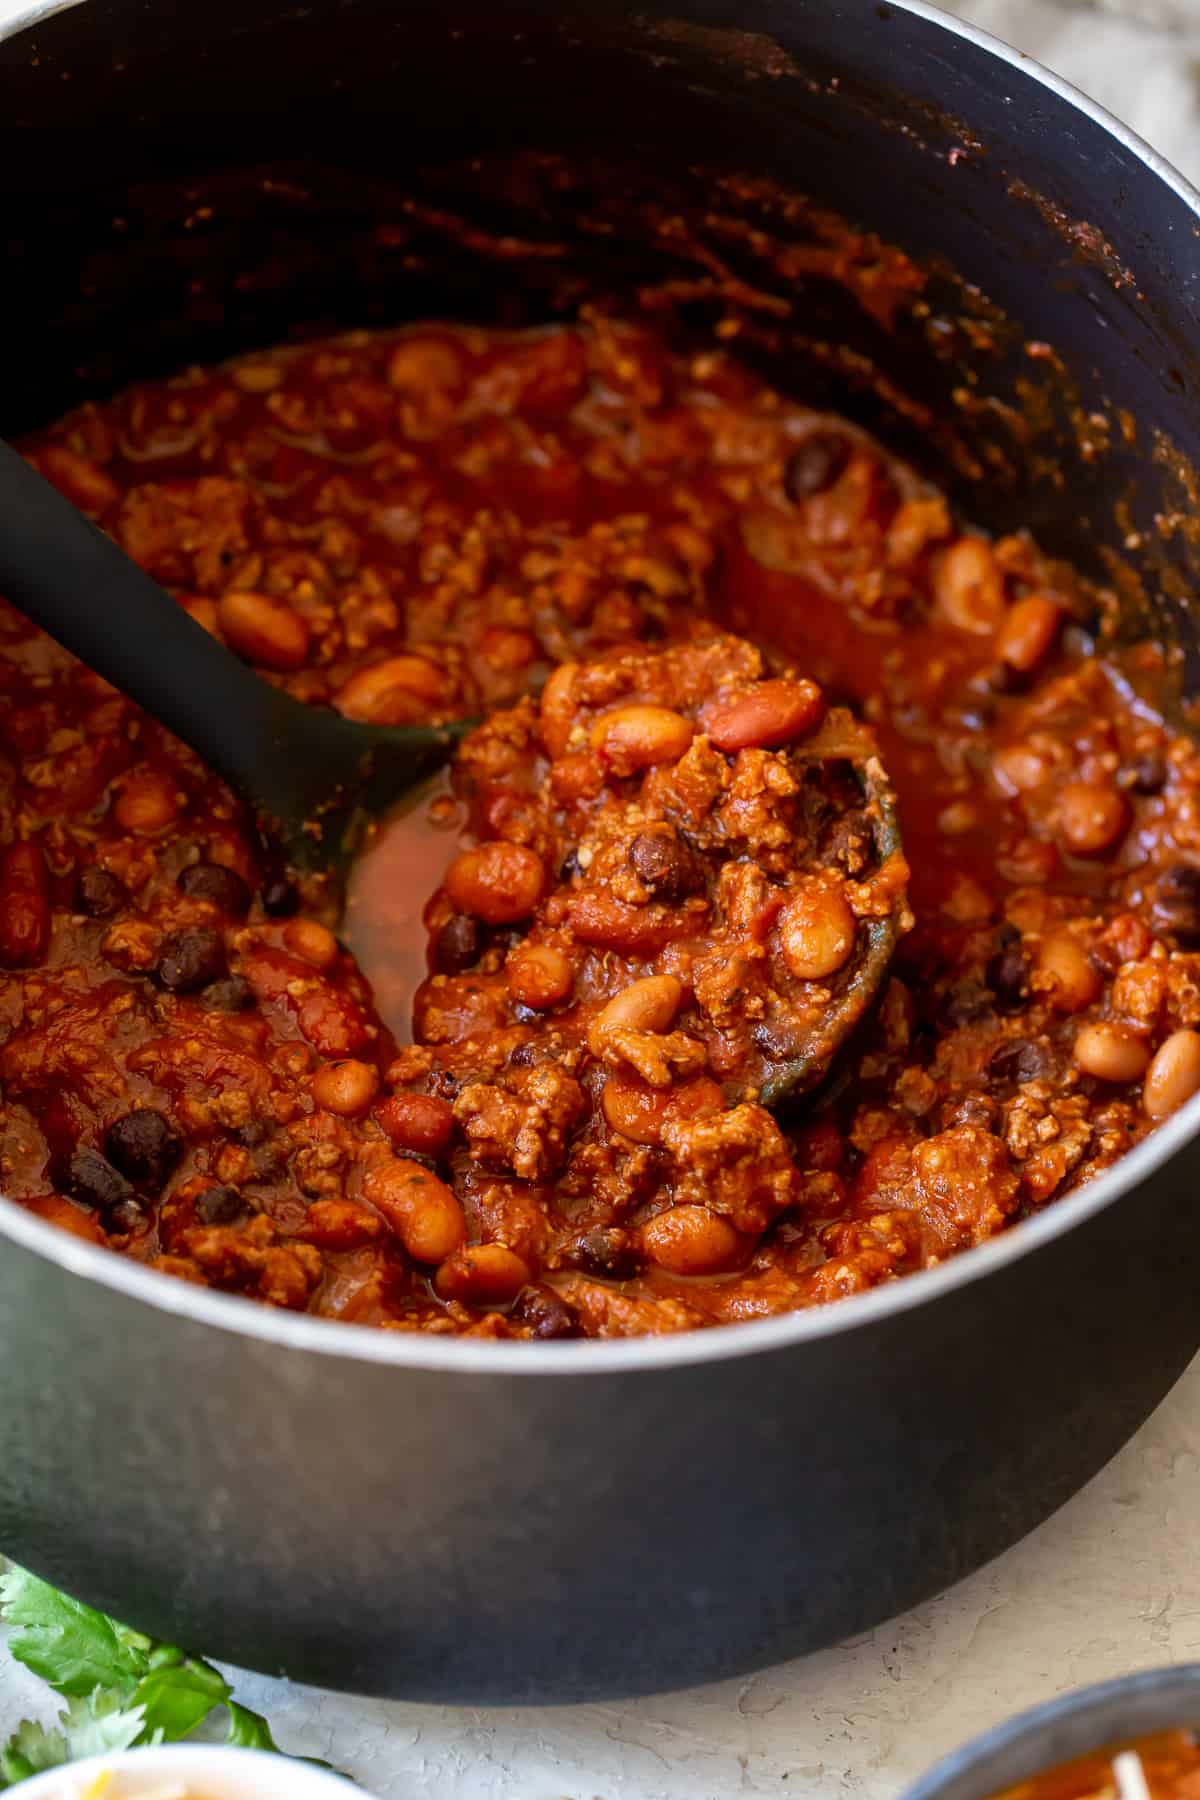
639 737
968 586
346 1088
148 801
263 630
638 1111
539 976
419 1122
1174 1074
1111 1053
771 714
422 1211
482 1275
313 941
392 692
1068 971
691 1240
596 917
816 930
1092 816
647 1005
497 882
25 917
1028 631
85 484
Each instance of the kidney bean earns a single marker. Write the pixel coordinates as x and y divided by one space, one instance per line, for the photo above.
639 1111
557 708
647 1005
98 893
544 1314
340 1225
189 960
770 715
968 586
1111 1053
1028 632
25 918
145 1146
392 692
816 930
222 887
263 630
815 464
596 917
331 1021
220 1206
85 484
691 1240
346 1088
421 1210
1092 816
539 976
638 737
497 882
418 1122
148 802
1068 972
1174 1074
482 1275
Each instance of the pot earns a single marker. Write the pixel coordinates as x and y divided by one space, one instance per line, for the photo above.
461 1521
1071 1725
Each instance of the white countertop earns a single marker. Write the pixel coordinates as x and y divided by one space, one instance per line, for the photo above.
1111 1583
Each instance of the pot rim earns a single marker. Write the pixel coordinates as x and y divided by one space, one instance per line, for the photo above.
1113 1709
416 1350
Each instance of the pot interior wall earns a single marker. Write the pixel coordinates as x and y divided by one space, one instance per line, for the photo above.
248 174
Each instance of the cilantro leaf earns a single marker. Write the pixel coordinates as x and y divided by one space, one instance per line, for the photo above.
91 1726
72 1646
30 1749
177 1700
249 1729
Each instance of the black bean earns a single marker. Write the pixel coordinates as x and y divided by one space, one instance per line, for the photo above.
966 1003
570 866
233 994
220 1206
1021 1059
279 897
457 945
221 887
127 1216
190 960
544 1314
99 894
971 1109
1007 976
608 1252
144 1145
1176 905
815 464
1145 774
91 1178
666 865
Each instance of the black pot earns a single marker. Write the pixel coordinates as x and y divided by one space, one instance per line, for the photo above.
465 1521
1071 1725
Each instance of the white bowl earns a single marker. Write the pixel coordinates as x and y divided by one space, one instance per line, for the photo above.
208 1771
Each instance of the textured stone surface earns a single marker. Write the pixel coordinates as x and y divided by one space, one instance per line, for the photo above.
1112 1583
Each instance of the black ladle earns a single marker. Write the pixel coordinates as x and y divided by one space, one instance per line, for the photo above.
313 778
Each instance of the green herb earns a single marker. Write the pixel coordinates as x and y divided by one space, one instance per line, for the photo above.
122 1688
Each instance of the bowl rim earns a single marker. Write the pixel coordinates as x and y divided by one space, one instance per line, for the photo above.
1101 1706
306 1333
191 1763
